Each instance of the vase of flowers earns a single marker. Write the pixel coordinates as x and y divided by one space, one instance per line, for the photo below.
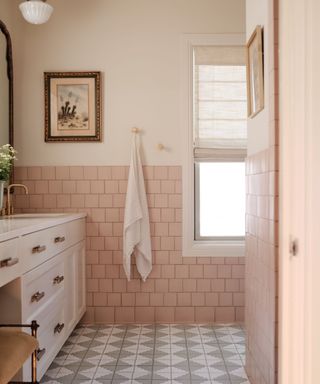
7 157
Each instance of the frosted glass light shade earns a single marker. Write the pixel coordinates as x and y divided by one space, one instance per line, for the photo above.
36 12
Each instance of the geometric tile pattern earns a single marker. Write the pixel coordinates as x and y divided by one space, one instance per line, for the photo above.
151 354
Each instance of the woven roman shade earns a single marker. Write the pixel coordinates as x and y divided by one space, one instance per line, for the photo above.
220 101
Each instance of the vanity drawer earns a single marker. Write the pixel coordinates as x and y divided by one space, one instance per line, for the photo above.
41 284
40 246
51 335
10 263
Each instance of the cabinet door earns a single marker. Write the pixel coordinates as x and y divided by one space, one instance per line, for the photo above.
80 280
70 287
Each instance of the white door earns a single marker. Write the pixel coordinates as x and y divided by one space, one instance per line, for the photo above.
299 192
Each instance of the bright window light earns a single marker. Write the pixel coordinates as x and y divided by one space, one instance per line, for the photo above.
221 199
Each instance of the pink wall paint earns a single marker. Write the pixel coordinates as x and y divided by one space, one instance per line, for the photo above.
179 289
262 237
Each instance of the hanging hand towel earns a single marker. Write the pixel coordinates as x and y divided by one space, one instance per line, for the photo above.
136 231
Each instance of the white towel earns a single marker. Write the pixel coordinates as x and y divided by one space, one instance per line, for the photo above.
136 231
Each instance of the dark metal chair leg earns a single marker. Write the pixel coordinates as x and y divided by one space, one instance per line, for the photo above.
34 327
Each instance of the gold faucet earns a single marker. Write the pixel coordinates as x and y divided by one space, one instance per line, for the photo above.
9 208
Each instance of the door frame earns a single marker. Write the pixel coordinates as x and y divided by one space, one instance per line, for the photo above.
299 280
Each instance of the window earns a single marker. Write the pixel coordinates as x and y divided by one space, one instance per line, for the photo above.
215 182
220 200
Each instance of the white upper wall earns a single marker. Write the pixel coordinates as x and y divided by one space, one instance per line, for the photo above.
258 127
136 44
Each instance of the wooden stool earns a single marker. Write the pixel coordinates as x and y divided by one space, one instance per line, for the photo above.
15 348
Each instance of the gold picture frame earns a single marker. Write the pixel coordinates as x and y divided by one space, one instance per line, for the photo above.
255 75
72 106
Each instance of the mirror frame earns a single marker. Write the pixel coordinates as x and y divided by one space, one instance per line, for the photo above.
6 33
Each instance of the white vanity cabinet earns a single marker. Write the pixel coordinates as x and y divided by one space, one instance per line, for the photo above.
45 281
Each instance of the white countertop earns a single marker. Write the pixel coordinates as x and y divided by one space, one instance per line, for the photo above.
22 224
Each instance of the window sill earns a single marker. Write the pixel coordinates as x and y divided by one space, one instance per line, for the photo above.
214 249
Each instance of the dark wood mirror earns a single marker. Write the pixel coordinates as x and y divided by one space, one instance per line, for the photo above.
6 87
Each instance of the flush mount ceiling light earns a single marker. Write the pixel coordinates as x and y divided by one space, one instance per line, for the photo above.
36 11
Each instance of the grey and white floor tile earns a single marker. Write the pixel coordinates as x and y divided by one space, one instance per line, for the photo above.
151 354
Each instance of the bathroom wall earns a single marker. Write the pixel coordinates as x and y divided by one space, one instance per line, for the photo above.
262 209
136 44
179 289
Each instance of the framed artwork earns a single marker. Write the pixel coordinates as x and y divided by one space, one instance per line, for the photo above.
72 106
255 82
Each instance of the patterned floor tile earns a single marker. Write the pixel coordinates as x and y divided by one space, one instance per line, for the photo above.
151 354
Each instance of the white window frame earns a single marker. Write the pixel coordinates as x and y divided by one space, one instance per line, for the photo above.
190 246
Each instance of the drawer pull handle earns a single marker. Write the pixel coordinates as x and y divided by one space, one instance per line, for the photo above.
9 262
58 279
39 249
37 296
58 328
59 239
40 353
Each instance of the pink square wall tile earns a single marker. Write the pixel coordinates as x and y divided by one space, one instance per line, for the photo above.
153 186
184 299
170 299
182 271
105 285
118 173
175 173
20 173
76 173
189 285
124 315
104 315
167 215
128 299
55 186
83 186
225 314
161 285
167 186
62 173
160 173
88 317
204 315
175 285
77 201
165 314
49 201
99 299
68 186
104 173
167 271
34 173
198 300
97 186
90 173
196 271
156 299
184 314
144 314
114 299
142 299
36 201
161 257
148 172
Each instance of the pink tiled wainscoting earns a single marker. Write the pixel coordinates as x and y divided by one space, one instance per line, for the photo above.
179 289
